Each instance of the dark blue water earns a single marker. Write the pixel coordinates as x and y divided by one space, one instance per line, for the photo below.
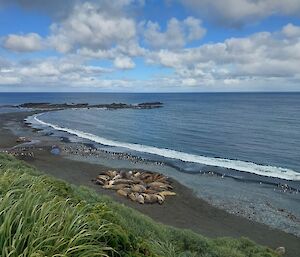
248 131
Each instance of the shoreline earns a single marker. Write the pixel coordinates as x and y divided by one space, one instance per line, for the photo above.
233 168
184 211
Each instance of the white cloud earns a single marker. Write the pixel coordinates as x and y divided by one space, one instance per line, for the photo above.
52 71
190 82
194 28
291 31
133 49
239 12
23 43
91 27
7 80
177 34
89 30
124 62
262 56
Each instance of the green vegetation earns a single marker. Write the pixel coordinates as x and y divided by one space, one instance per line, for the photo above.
43 216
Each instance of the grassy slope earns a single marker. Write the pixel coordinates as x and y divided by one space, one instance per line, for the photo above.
43 216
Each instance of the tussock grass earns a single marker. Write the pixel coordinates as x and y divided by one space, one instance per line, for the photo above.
43 216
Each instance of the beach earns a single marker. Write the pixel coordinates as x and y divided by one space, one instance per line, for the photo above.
186 210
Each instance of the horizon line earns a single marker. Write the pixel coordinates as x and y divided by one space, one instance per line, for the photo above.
157 92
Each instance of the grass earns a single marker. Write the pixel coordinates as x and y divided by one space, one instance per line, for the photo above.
43 216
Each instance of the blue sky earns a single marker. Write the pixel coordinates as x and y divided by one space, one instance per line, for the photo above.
150 46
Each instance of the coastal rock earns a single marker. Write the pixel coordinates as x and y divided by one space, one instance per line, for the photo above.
55 150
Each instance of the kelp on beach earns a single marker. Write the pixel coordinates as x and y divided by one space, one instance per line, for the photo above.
43 216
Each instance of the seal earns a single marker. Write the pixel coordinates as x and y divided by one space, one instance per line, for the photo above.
150 198
167 193
138 188
122 192
119 186
104 178
122 181
160 199
140 199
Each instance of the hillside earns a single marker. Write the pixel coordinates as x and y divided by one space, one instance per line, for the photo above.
43 216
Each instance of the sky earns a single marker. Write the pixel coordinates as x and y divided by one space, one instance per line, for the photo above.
149 45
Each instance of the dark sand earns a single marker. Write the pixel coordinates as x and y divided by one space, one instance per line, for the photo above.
183 211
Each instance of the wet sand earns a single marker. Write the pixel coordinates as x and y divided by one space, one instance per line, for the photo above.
183 211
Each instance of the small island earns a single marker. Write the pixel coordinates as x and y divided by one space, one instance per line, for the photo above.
112 106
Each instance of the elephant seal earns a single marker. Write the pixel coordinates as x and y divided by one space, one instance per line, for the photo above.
111 173
118 176
160 199
125 174
98 182
150 198
103 177
145 176
159 184
122 192
108 186
167 193
140 199
147 198
162 196
119 186
137 174
138 188
132 197
150 191
122 181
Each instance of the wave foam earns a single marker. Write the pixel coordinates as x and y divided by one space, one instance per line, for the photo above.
264 170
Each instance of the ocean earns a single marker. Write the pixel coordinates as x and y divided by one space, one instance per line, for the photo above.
256 133
250 140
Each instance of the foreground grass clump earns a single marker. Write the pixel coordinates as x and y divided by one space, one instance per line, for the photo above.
43 216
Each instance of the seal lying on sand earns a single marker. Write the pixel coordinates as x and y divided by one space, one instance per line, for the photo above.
139 186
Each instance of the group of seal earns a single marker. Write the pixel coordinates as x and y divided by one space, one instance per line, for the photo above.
139 186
